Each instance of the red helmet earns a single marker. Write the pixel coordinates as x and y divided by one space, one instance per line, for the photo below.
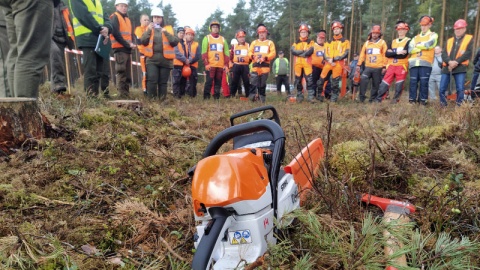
189 30
186 71
261 29
304 27
426 20
461 23
376 29
214 22
336 24
401 25
240 33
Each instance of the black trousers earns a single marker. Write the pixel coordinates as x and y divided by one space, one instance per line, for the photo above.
282 79
240 72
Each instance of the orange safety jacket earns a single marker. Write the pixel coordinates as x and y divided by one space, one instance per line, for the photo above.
461 50
138 33
303 46
373 54
264 49
66 18
216 55
240 54
168 50
318 56
337 48
125 30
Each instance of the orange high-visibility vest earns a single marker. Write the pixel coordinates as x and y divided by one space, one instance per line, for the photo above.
303 46
426 55
125 30
193 51
216 55
337 48
138 33
461 50
399 45
168 50
318 55
240 54
177 62
66 18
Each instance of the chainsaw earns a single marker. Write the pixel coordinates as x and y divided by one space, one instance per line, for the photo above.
241 197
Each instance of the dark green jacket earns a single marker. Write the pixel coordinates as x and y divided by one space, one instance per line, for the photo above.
465 56
80 11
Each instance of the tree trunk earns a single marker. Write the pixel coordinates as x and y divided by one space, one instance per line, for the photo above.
325 16
352 20
20 120
442 26
466 10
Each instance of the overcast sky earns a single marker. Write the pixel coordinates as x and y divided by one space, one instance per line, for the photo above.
194 12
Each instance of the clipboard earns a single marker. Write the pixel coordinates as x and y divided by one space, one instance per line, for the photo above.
103 49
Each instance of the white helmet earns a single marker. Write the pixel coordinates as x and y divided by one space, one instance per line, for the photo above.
157 12
121 2
234 41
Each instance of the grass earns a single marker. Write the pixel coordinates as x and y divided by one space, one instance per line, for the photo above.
109 188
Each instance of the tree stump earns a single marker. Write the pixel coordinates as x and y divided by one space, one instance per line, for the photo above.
20 120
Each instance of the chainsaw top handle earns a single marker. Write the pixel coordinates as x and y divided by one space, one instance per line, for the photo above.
262 109
243 129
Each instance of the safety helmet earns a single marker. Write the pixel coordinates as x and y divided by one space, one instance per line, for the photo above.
121 2
234 41
214 22
401 25
461 23
240 33
180 29
304 27
425 20
322 34
186 71
157 12
261 28
336 24
189 30
376 29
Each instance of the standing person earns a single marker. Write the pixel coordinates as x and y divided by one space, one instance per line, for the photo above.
476 73
194 55
281 70
139 30
240 60
261 51
436 74
318 57
302 49
181 59
397 63
159 41
335 54
89 21
420 61
455 56
29 28
122 45
215 55
62 37
373 54
354 81
4 47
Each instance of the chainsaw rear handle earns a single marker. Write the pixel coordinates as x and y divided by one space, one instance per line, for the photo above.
255 110
243 129
203 255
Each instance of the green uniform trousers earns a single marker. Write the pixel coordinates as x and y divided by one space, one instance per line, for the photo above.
29 35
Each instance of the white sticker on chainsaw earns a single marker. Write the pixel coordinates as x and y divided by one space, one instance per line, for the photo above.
240 237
